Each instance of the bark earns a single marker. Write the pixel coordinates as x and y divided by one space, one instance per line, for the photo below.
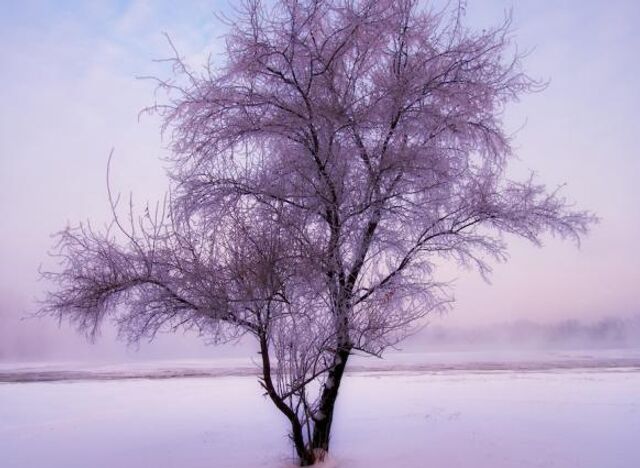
324 417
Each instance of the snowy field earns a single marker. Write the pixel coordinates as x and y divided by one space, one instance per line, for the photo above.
409 414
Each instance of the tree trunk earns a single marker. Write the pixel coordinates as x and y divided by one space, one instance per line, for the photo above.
323 419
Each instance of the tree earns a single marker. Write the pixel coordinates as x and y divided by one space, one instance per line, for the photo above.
318 175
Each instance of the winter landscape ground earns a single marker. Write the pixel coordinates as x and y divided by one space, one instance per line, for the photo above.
562 409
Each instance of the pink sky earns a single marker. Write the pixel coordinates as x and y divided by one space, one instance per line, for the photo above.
69 94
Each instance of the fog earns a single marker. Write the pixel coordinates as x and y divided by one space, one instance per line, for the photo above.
69 95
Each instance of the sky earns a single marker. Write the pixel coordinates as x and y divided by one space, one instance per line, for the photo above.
69 94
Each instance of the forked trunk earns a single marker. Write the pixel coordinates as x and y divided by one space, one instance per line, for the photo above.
316 447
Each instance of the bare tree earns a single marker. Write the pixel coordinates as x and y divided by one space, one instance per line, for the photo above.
343 148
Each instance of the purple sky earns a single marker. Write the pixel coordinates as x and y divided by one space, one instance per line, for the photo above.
69 94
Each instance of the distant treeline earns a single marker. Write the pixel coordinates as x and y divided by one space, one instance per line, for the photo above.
605 333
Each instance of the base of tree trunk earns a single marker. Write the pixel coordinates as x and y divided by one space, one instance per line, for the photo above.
316 455
319 454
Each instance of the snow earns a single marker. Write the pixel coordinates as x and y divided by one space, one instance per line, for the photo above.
550 417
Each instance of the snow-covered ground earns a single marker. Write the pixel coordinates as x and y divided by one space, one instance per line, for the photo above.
454 416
